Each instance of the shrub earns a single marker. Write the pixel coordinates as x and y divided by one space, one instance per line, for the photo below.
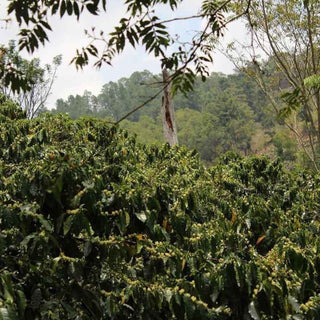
96 226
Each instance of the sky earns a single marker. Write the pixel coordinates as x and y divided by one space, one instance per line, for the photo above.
68 35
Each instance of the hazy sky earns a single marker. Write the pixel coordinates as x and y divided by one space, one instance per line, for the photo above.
68 35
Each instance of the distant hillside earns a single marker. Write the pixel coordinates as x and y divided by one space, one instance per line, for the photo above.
226 112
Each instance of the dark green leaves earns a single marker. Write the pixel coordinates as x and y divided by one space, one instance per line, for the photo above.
297 261
184 82
10 75
93 223
293 100
89 300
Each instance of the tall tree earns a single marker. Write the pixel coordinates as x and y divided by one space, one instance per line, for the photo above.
141 26
167 112
10 76
287 33
39 80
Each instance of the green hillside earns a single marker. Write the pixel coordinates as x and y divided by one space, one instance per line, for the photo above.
225 113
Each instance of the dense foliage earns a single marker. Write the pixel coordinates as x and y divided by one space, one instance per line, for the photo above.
96 226
39 80
227 112
288 34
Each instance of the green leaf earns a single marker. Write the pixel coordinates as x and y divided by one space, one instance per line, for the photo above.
68 224
127 218
45 223
45 24
168 295
297 261
76 9
92 8
90 300
7 287
253 311
141 216
294 303
69 8
57 188
87 248
4 314
21 302
63 8
312 81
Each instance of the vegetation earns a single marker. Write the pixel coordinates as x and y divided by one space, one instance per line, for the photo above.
96 225
142 25
39 80
93 224
291 31
225 113
287 33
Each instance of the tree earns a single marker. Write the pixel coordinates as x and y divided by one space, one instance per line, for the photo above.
221 114
167 113
39 80
142 26
147 130
118 98
286 34
10 76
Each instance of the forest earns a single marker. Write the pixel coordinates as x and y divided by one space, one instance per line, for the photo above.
186 195
224 113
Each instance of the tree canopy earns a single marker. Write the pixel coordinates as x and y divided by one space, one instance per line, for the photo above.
95 225
283 57
141 26
38 79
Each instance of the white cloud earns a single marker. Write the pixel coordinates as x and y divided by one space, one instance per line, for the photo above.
69 35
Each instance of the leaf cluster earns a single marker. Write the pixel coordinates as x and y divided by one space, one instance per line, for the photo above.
93 224
140 26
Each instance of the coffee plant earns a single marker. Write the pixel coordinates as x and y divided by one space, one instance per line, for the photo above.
96 226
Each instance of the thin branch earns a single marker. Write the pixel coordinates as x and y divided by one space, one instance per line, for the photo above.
275 49
141 105
203 36
184 18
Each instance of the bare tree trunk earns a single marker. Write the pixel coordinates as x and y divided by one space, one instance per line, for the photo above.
167 112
